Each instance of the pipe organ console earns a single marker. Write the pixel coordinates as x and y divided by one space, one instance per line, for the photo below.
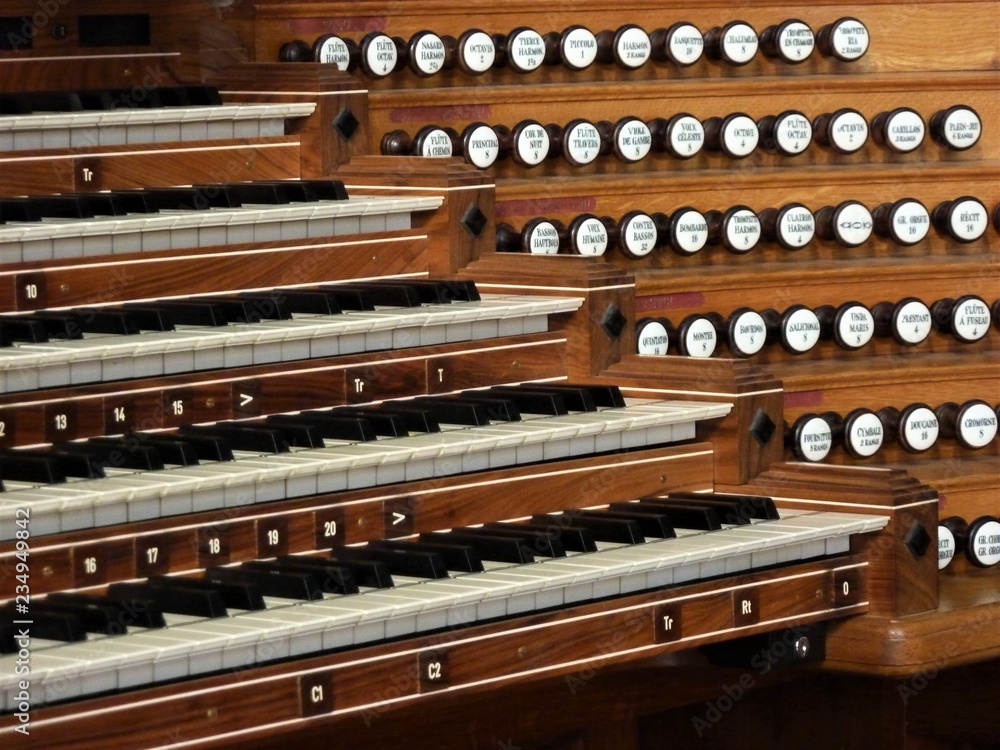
593 376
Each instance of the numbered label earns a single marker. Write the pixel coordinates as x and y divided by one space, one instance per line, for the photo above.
316 694
152 556
433 671
846 588
90 566
272 537
213 546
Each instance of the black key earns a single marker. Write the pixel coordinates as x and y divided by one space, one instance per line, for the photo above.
531 401
572 538
308 301
190 312
250 309
683 516
296 435
51 625
206 447
138 611
575 398
607 396
100 100
452 410
19 210
59 325
147 318
58 206
335 579
539 543
295 191
498 547
653 525
240 438
117 454
386 295
498 409
179 600
299 585
234 595
384 423
53 101
22 330
605 529
101 320
731 513
95 618
190 199
349 298
15 104
756 507
399 562
368 573
71 463
131 202
267 193
456 556
439 292
172 451
202 96
324 190
102 204
37 468
415 419
330 425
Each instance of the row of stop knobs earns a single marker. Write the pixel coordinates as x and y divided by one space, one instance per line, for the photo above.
916 428
851 325
683 136
576 48
739 229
